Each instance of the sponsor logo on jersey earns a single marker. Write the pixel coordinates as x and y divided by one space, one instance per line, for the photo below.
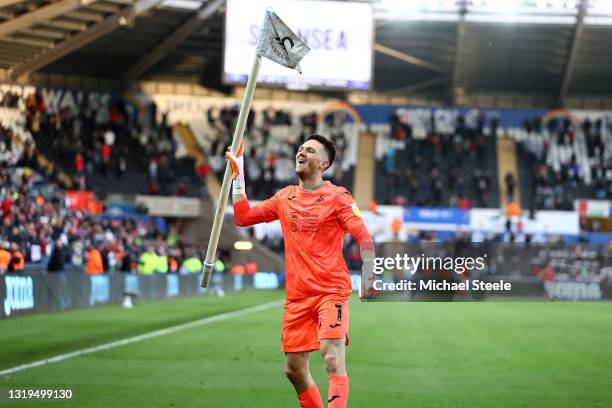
293 223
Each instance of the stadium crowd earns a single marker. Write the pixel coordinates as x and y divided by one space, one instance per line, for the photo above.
96 142
273 138
107 147
39 229
441 169
568 163
10 149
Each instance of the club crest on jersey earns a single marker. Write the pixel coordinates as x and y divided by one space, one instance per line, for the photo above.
356 209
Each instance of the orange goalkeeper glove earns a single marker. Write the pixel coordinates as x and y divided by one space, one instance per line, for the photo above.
237 165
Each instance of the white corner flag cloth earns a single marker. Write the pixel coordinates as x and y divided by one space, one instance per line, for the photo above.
278 43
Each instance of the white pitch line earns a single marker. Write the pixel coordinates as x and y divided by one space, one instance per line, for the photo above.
146 336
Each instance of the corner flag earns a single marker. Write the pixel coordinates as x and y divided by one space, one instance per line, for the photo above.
278 43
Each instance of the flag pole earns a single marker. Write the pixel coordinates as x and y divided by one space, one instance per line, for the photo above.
209 262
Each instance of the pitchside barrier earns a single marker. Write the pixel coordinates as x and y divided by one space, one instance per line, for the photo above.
464 270
42 292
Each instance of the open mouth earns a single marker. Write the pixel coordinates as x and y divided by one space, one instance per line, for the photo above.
301 160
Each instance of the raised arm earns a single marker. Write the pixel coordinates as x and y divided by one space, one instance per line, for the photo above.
244 214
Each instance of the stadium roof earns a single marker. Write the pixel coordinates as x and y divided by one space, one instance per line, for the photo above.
437 48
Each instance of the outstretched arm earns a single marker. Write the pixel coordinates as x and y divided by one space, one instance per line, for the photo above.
246 215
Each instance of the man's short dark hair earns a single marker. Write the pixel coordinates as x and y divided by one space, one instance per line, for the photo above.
329 146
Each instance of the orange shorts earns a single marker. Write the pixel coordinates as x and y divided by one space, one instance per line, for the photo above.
307 321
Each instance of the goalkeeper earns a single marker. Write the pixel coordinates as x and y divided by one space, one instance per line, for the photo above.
314 215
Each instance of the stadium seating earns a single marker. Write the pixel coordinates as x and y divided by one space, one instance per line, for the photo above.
439 170
132 148
561 165
38 219
272 140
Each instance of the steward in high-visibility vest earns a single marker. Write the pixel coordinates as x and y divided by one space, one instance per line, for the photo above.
5 258
148 263
17 262
192 265
94 262
162 264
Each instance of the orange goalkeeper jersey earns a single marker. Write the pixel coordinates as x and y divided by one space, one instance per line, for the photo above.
314 224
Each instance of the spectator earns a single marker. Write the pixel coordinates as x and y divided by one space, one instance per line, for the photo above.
128 264
513 209
390 160
148 262
5 258
6 206
396 227
173 265
153 169
547 274
464 203
17 262
238 272
162 261
121 166
203 170
56 261
105 154
509 180
94 262
106 255
251 268
192 264
109 138
79 163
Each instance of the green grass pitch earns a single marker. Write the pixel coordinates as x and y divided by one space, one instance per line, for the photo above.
492 354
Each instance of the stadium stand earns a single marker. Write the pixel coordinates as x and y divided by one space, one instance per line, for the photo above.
273 137
105 149
130 147
39 223
562 163
438 170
